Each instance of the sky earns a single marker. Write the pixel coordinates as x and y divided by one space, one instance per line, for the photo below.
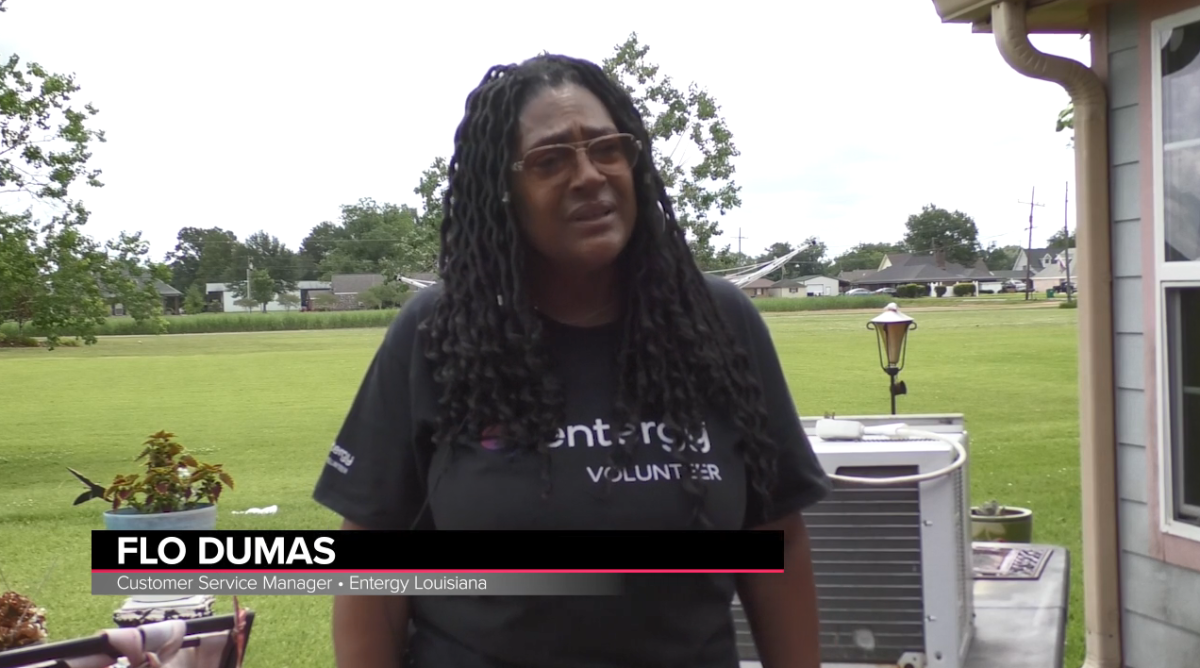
271 115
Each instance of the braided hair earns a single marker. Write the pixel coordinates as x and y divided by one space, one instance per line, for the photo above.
677 363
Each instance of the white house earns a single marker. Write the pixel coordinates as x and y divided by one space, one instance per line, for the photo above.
813 285
227 295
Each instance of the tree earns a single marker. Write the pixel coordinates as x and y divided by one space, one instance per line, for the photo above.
1066 120
384 295
1060 240
863 256
54 278
288 300
374 238
129 279
810 260
936 229
193 300
205 255
673 117
20 269
45 142
701 186
263 288
264 252
999 258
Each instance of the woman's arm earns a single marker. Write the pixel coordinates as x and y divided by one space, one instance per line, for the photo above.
369 631
782 607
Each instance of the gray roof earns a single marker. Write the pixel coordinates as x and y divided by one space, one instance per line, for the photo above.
160 287
853 275
915 273
166 290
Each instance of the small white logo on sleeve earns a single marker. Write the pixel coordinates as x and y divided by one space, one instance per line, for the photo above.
340 459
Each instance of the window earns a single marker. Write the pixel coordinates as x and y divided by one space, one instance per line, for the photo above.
1176 85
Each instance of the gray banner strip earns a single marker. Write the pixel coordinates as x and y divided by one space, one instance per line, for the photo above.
358 584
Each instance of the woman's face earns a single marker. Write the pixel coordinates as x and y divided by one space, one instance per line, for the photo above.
576 207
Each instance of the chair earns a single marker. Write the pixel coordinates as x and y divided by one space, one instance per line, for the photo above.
209 642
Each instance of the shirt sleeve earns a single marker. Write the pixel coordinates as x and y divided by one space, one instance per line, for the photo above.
800 480
374 472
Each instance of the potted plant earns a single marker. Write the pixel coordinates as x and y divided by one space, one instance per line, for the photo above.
174 492
21 622
994 523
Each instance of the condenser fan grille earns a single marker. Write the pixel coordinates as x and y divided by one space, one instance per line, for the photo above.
866 543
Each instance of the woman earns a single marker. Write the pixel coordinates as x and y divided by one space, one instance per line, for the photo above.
569 304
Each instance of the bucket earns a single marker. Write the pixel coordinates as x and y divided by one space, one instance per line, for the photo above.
202 518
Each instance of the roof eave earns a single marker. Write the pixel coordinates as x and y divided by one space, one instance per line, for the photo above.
1047 17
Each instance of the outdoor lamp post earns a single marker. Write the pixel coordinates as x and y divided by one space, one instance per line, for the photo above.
892 327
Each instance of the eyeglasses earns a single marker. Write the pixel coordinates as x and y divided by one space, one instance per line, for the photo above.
610 154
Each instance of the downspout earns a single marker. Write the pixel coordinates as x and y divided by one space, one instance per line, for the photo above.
1097 430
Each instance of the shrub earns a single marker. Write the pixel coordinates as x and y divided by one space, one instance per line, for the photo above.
964 290
940 291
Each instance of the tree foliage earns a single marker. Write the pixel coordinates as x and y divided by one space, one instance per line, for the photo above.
864 256
693 150
45 141
936 229
692 144
1060 240
53 277
374 238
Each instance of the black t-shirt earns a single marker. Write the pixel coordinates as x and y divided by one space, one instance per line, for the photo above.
377 471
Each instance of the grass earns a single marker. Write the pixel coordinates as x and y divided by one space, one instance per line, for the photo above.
233 322
267 406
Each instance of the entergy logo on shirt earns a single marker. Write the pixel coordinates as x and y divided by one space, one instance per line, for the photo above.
340 459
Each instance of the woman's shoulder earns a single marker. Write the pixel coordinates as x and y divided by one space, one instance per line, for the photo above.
415 311
729 298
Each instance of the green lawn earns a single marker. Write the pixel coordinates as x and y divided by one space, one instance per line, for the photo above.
268 404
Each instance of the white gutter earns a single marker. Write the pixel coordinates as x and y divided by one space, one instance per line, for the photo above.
1097 431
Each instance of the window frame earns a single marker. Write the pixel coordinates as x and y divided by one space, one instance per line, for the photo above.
1168 277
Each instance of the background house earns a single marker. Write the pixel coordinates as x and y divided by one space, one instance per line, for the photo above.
1137 137
347 288
226 296
929 270
813 285
172 299
758 288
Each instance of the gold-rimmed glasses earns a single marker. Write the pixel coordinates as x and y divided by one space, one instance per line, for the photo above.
611 154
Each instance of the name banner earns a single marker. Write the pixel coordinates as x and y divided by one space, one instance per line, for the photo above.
290 583
438 551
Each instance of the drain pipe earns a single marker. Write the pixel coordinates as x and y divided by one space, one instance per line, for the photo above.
1097 431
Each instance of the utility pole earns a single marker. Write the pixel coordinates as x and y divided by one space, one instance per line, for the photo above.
1067 241
1029 249
739 240
249 270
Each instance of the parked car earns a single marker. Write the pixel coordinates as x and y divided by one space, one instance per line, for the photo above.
886 291
858 292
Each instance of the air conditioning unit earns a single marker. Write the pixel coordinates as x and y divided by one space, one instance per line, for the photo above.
893 562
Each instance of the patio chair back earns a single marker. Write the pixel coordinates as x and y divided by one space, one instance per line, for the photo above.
208 642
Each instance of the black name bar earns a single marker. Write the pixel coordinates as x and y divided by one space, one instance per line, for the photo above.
621 551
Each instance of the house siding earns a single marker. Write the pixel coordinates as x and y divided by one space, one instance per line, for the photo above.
1161 617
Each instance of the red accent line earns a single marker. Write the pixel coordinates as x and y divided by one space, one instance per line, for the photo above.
424 570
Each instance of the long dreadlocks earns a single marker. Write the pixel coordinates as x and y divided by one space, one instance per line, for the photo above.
677 361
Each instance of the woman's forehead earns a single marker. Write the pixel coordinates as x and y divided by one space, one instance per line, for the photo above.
563 114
